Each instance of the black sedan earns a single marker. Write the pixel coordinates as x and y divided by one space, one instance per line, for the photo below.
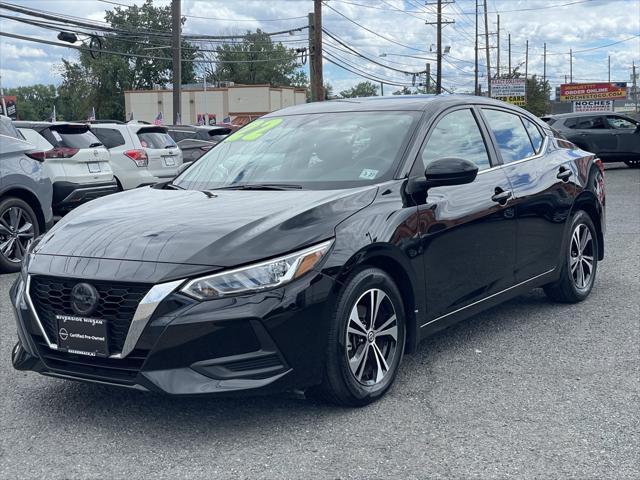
312 249
195 141
611 136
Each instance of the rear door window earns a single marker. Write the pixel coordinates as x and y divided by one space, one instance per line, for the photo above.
534 134
616 122
511 136
155 139
110 137
71 137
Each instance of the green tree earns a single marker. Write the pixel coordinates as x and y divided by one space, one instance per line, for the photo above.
34 102
254 60
100 82
362 89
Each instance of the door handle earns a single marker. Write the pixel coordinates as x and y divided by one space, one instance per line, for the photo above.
501 196
564 174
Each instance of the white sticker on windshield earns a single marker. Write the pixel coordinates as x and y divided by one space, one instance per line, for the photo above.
368 174
56 135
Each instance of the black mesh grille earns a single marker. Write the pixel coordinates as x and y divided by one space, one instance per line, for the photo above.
118 303
268 361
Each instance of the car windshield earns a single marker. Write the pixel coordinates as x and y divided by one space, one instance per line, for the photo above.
330 150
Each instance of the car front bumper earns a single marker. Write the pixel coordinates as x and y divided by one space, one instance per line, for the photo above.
260 343
68 195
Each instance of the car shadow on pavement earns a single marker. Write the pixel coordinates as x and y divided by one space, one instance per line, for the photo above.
115 409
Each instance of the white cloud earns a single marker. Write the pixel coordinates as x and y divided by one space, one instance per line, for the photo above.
10 51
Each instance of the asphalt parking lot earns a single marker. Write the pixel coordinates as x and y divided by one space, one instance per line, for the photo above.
529 389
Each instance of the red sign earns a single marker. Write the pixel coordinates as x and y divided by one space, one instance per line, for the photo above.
592 91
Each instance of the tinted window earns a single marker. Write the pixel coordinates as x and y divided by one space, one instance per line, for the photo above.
534 134
511 137
109 137
616 122
549 120
71 136
457 135
321 150
156 140
586 123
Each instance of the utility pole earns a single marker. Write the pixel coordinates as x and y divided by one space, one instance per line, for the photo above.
4 104
526 62
176 26
544 64
315 51
609 69
498 54
381 89
509 54
571 65
428 78
486 39
635 85
439 24
475 85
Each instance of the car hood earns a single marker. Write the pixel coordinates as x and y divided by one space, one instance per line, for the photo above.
228 228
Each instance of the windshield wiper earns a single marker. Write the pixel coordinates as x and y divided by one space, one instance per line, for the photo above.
261 186
174 186
95 144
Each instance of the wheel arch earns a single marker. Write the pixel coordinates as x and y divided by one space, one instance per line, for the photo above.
31 199
393 262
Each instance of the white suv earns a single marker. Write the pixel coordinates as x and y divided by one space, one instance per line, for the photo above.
141 154
74 159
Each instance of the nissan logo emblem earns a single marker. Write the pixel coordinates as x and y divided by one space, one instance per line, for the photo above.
84 299
63 334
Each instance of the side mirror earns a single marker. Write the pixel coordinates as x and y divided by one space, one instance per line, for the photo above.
450 171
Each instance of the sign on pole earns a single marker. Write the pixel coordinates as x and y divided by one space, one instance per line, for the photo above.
510 90
10 103
592 91
593 106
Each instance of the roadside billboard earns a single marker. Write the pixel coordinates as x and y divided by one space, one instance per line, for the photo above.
592 91
593 106
10 102
510 90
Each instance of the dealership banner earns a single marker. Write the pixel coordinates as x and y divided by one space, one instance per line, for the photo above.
510 90
592 91
10 102
593 106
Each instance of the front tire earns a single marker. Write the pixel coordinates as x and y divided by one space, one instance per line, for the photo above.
579 263
366 340
18 226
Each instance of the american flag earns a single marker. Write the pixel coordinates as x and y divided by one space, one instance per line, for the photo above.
92 115
159 119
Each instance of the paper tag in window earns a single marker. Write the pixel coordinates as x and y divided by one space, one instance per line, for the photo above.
56 135
368 174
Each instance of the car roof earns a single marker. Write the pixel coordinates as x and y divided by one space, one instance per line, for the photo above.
36 125
581 114
134 127
392 103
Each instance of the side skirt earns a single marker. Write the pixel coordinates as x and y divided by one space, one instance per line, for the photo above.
478 306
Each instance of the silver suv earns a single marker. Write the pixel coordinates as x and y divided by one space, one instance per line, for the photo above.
25 196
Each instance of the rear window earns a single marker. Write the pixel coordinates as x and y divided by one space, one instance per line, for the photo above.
109 137
178 135
155 140
71 137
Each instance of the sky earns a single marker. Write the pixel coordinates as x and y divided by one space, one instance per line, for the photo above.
394 33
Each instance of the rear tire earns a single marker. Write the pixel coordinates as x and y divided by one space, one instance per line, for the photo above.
579 262
363 355
18 226
635 163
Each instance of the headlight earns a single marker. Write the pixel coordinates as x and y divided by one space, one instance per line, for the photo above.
269 274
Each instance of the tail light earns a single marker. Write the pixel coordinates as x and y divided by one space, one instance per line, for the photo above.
38 155
138 156
599 164
61 152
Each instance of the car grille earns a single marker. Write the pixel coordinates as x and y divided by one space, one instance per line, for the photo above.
118 302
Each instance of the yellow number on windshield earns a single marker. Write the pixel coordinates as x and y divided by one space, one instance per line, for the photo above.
254 130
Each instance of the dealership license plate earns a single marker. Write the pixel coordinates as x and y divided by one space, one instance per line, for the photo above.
94 167
169 161
83 336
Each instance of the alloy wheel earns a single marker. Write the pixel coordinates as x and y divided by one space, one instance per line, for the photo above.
372 335
16 231
581 258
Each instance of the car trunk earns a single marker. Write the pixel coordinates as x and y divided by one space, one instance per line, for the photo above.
163 153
